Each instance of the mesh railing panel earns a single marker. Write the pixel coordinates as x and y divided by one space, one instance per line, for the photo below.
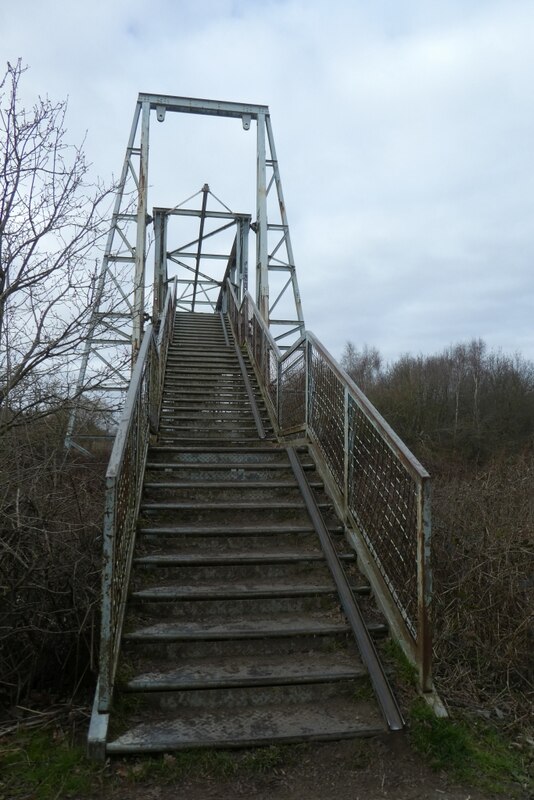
292 404
326 414
382 497
263 350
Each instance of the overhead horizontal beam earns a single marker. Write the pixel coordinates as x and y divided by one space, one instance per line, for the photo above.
194 105
192 212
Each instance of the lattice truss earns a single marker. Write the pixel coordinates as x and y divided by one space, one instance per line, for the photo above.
200 247
284 314
119 298
119 308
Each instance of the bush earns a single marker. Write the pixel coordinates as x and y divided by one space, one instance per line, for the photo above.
483 523
50 543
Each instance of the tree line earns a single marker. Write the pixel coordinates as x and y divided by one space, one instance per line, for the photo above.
466 402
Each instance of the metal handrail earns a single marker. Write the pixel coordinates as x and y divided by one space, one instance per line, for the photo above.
124 479
380 488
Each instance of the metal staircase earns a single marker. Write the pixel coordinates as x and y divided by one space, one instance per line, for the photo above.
234 635
257 504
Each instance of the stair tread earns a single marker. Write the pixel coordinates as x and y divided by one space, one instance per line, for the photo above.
253 466
230 448
253 726
250 628
207 441
231 529
224 505
209 414
235 557
258 670
211 590
235 484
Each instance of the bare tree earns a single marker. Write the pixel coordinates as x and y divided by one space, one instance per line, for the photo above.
51 223
364 366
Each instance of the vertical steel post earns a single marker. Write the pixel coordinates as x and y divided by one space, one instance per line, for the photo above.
278 392
424 585
242 258
262 272
205 192
142 205
160 262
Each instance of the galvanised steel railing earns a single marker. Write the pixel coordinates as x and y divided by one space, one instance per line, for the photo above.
379 487
124 479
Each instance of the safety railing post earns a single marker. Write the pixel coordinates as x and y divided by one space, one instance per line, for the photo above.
279 392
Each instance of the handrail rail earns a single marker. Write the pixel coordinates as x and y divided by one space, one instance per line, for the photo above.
295 346
124 478
380 488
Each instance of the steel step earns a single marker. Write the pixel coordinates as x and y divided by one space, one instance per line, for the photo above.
230 529
212 505
234 558
248 728
241 484
250 628
274 670
236 591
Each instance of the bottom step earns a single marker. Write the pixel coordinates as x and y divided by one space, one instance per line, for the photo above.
251 728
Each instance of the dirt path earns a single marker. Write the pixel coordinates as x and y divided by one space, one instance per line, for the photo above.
352 770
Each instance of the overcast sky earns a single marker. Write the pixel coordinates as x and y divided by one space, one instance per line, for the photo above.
404 131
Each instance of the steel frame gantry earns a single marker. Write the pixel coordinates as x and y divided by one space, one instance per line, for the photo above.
119 302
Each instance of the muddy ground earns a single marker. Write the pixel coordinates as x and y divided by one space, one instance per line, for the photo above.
350 770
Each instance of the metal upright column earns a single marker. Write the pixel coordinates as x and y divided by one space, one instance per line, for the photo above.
140 254
241 279
262 263
160 260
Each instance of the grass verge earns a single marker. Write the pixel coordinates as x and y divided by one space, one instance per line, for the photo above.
44 765
470 751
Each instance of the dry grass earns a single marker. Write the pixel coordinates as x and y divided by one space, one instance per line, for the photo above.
483 547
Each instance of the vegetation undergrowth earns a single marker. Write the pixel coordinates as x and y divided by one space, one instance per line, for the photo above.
46 764
471 751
